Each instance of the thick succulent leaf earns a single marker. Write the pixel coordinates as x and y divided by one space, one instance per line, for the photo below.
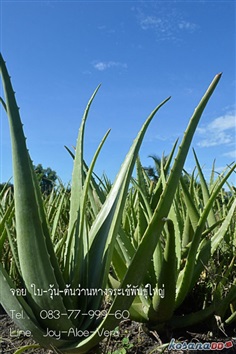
211 219
80 269
187 232
175 217
162 308
76 191
59 210
122 254
191 207
32 240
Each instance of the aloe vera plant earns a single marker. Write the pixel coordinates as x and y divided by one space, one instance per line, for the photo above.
188 243
80 262
87 251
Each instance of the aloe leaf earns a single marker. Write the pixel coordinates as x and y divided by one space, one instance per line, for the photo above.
57 215
122 254
76 191
159 188
175 217
3 104
78 175
34 257
157 263
162 308
70 152
144 211
191 207
212 174
205 192
187 232
96 196
137 312
80 270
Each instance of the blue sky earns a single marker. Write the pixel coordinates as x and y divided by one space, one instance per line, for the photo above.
57 52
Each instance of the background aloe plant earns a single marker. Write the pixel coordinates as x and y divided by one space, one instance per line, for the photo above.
62 251
200 222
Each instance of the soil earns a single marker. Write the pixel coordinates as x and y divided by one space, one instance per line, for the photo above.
132 339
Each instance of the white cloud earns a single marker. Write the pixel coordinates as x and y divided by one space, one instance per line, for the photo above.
147 22
221 131
167 22
101 65
223 123
215 139
189 26
231 154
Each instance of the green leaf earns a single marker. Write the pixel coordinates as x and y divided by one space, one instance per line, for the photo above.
162 308
76 191
34 245
205 192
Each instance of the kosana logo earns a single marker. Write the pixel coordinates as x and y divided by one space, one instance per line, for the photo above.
199 346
